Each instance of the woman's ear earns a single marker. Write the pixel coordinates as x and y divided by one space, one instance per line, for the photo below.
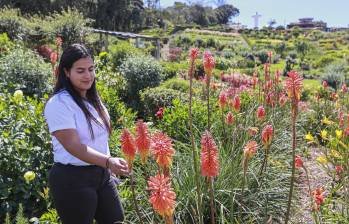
66 72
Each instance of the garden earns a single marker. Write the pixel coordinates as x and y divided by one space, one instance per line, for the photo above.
226 127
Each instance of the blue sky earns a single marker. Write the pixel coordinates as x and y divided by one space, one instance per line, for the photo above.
334 12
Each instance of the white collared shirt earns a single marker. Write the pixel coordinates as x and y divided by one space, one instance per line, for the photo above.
61 112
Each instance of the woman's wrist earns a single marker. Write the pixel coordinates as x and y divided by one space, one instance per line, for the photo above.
107 162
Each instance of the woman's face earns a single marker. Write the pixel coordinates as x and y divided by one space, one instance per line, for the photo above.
82 75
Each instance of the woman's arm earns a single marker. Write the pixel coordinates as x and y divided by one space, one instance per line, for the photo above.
70 140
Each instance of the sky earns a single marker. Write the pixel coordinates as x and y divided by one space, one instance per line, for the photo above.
334 12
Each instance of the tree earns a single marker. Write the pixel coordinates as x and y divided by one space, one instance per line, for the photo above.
225 12
271 23
198 15
302 48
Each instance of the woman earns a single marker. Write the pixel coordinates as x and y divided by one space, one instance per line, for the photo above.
81 179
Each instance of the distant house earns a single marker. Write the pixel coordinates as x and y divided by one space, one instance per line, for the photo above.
308 24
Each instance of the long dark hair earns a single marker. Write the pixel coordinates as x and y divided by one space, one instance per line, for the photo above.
69 56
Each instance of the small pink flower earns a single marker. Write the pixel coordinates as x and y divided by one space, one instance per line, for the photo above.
160 113
344 88
298 162
325 84
339 169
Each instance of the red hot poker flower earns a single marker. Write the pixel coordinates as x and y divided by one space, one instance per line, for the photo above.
318 195
282 100
193 54
222 100
250 149
209 63
267 135
260 113
162 196
236 103
162 149
209 156
128 146
294 84
298 162
229 118
142 140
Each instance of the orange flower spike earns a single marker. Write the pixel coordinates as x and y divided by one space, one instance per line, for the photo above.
162 196
222 100
162 149
252 131
229 118
209 156
142 140
209 63
298 162
128 146
250 150
236 103
294 85
267 135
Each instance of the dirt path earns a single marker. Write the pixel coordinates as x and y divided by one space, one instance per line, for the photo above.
317 178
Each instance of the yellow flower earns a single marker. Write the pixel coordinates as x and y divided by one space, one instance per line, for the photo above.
29 176
309 137
18 95
335 154
323 134
322 159
337 105
326 121
339 133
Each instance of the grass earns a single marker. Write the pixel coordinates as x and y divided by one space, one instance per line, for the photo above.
312 84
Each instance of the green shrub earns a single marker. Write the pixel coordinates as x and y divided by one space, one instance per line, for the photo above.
121 50
262 55
211 42
324 61
140 72
12 23
70 24
25 70
223 64
25 145
154 98
177 84
171 69
334 74
5 44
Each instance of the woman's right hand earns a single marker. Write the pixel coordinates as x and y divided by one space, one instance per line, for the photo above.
118 166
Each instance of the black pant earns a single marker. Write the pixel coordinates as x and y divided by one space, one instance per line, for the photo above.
82 193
